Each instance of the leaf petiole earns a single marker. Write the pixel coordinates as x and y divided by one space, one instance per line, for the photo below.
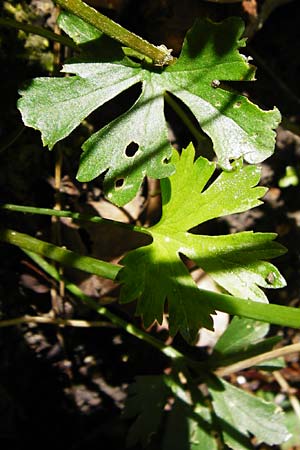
71 215
28 28
160 55
102 310
275 314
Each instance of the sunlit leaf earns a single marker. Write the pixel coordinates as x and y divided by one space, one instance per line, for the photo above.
236 262
237 127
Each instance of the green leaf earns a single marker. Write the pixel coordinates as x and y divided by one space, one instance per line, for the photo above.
188 427
234 261
240 334
240 414
80 31
293 425
272 364
200 429
50 103
244 339
237 127
145 402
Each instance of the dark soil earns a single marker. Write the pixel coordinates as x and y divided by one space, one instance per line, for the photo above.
65 388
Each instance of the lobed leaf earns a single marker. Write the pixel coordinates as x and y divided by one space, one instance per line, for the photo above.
186 426
209 56
240 334
244 338
240 414
236 262
146 399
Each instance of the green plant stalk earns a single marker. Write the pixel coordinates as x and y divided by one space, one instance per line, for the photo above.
71 215
102 310
275 314
200 138
160 56
285 316
28 28
12 138
61 255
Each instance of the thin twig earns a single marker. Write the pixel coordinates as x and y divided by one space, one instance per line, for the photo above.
255 360
55 321
272 73
28 28
257 23
72 215
285 387
102 310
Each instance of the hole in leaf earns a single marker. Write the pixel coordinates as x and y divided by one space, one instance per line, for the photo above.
215 83
119 183
237 104
166 160
131 149
270 279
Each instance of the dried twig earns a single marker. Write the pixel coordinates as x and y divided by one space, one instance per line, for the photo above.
255 360
55 321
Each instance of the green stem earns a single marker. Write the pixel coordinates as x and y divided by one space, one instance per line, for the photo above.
71 215
61 255
28 28
130 328
160 55
275 314
193 129
12 138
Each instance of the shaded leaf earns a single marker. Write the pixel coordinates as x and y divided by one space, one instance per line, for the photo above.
80 31
188 423
188 427
240 334
293 425
146 400
240 412
244 339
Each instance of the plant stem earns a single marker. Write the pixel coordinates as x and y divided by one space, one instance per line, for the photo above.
258 359
193 129
28 28
185 119
160 55
12 138
130 328
287 389
61 255
275 314
53 321
72 215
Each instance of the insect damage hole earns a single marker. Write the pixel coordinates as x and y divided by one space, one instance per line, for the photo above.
215 84
119 183
131 149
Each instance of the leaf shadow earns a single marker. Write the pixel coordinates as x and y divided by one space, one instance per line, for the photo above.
138 164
